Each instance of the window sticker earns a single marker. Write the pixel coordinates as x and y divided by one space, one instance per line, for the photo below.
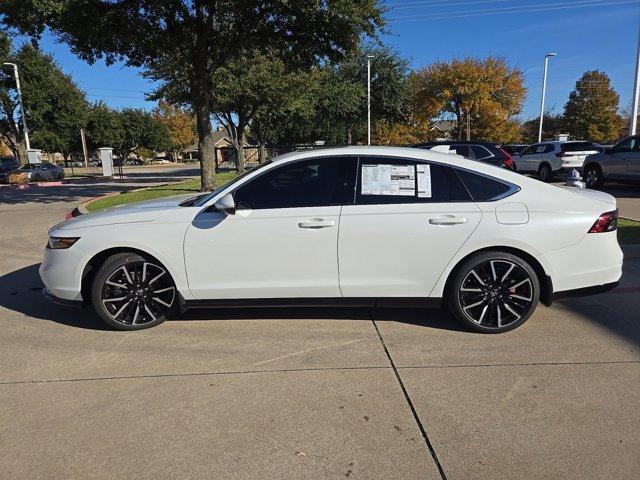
384 179
424 181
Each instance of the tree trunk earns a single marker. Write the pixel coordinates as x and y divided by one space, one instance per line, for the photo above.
22 153
240 150
262 153
205 136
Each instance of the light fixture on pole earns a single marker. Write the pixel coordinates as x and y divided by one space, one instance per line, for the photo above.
22 112
636 94
544 90
369 57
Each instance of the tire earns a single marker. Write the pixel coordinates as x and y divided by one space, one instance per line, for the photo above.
514 167
593 176
35 177
545 173
122 292
493 292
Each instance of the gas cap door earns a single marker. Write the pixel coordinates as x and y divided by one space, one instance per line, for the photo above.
512 213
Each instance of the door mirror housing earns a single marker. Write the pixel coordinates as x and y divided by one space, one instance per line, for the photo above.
226 204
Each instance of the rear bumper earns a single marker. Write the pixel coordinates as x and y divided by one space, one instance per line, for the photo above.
583 292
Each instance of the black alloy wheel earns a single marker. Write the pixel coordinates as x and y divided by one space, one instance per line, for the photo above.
130 292
545 173
494 292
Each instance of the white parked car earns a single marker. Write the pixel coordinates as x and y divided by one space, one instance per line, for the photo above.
367 226
550 158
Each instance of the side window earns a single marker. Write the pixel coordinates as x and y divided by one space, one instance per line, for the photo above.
485 189
529 150
480 152
625 145
461 150
549 148
311 183
394 180
541 148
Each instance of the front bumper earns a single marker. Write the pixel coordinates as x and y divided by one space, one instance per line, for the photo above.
61 301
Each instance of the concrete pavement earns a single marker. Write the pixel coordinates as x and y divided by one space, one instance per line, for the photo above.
309 393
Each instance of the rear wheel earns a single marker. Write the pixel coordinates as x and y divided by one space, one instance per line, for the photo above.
493 292
545 172
593 176
130 292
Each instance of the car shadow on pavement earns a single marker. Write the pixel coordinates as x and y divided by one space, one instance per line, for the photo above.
21 292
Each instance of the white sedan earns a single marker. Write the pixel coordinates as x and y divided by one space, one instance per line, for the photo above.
357 226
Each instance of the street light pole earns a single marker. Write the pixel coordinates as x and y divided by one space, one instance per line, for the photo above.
544 91
22 112
369 57
636 94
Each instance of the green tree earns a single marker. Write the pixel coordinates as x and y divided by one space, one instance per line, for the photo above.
125 130
56 108
188 40
483 93
592 110
553 124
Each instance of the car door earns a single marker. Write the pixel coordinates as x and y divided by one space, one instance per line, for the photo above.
409 220
282 240
524 163
617 162
632 158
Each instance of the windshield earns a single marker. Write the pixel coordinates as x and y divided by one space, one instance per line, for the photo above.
206 198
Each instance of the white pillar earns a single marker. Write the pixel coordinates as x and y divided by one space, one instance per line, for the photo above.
106 157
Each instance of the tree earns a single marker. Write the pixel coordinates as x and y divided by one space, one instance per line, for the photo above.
484 93
553 124
56 108
188 40
180 126
592 110
126 130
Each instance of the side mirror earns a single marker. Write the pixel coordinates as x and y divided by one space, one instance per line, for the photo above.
226 204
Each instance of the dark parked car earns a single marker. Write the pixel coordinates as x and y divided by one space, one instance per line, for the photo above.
475 150
134 161
513 148
7 164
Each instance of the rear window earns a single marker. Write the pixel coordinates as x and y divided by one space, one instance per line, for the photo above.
484 189
481 152
578 147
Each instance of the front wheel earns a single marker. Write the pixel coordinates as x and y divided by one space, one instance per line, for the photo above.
130 292
493 292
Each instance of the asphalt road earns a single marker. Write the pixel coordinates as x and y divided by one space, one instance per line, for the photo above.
300 393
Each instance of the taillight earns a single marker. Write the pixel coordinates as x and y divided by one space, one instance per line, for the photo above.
607 222
508 161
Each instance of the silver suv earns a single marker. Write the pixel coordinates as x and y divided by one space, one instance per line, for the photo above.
621 163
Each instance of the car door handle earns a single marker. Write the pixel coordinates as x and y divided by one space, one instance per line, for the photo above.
449 220
315 223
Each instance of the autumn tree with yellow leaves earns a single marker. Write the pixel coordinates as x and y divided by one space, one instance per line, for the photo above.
180 124
485 94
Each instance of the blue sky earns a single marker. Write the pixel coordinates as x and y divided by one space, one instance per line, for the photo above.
587 35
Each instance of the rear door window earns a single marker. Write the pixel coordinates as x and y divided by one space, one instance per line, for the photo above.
396 180
480 152
462 150
578 147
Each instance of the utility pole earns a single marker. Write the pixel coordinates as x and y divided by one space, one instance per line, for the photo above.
469 126
22 111
369 57
544 91
83 137
636 94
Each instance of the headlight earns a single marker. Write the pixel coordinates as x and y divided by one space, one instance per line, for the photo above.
60 243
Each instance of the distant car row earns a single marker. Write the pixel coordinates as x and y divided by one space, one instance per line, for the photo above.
549 159
35 172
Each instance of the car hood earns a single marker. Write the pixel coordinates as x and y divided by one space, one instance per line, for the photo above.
146 211
592 194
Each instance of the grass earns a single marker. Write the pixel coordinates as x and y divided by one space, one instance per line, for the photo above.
159 191
628 231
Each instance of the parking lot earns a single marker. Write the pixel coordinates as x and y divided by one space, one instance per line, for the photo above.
301 393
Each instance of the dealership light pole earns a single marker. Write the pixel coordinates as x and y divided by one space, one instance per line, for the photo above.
636 94
369 57
544 90
22 112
